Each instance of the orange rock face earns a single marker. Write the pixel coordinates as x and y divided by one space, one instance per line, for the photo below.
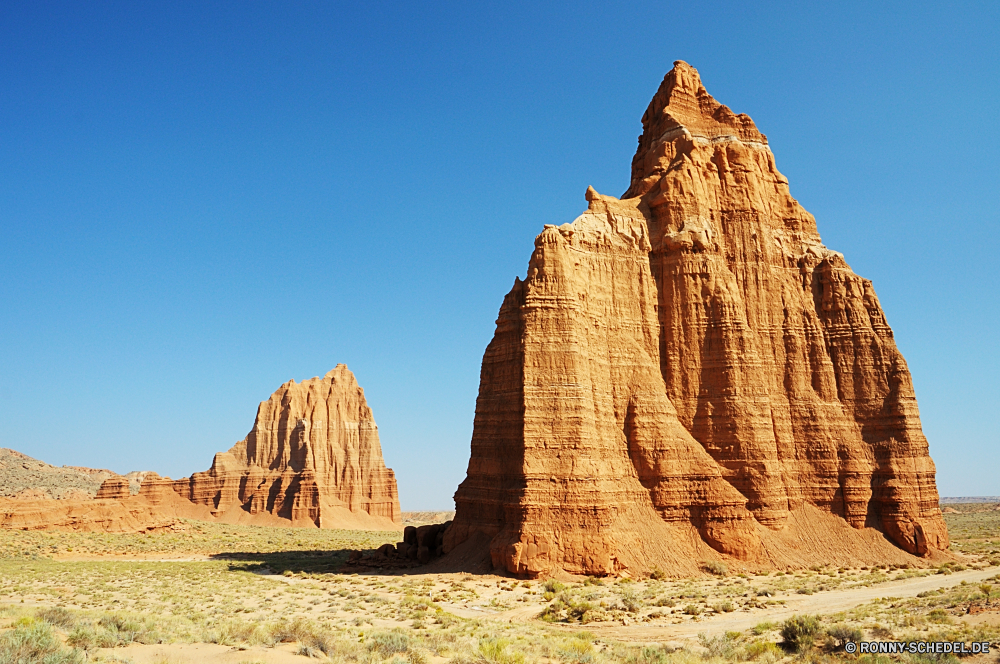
88 515
690 366
313 457
114 488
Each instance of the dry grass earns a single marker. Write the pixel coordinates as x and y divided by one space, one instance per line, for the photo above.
196 537
263 587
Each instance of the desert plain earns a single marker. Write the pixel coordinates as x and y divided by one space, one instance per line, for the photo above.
208 592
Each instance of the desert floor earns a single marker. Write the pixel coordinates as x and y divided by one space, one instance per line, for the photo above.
215 593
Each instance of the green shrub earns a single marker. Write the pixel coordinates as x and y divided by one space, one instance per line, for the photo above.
553 586
715 567
724 646
124 628
657 574
630 599
57 617
577 651
649 655
34 643
568 609
799 632
496 651
389 642
939 616
763 649
82 636
842 633
306 633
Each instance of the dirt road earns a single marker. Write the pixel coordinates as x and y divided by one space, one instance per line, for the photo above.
822 602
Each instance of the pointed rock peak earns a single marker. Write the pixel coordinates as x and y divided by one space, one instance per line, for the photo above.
683 101
682 113
339 371
684 78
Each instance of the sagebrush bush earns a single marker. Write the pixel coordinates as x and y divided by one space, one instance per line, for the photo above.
800 632
726 646
577 651
389 642
308 634
497 651
842 633
57 617
33 642
763 650
648 655
715 567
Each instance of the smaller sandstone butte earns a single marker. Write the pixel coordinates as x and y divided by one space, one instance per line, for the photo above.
313 457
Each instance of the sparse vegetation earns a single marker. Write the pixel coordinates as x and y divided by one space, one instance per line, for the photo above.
33 642
275 588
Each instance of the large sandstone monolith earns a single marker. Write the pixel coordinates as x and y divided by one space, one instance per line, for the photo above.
690 366
313 457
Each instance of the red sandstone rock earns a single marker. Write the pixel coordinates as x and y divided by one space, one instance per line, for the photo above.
87 515
115 488
692 356
313 457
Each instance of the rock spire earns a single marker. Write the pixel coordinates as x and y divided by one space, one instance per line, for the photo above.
689 372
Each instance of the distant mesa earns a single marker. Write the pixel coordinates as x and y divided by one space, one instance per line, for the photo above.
312 459
688 374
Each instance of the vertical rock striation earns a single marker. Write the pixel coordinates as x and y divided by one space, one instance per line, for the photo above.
313 457
691 355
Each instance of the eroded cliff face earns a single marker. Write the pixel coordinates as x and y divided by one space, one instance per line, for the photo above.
313 457
691 355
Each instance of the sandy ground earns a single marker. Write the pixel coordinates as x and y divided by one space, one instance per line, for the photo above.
183 653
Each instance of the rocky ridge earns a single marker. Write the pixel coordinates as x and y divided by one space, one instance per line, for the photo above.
689 372
26 478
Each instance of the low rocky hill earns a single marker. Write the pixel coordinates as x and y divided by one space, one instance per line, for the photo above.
24 477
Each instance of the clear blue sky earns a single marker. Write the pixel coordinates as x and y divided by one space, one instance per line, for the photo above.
199 201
